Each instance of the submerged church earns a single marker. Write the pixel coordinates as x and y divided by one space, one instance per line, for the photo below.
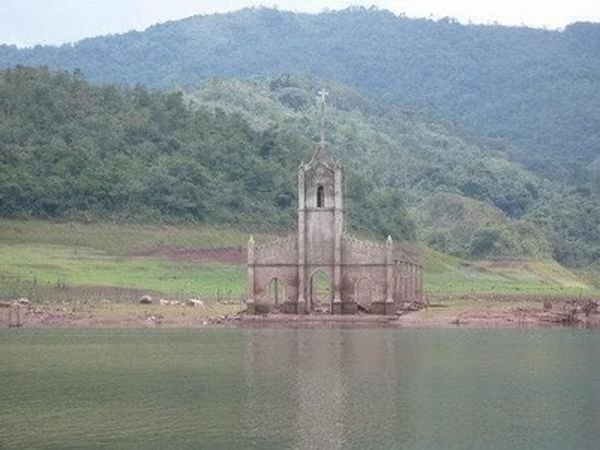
323 269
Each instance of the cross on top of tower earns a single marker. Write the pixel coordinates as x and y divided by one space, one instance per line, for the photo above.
323 94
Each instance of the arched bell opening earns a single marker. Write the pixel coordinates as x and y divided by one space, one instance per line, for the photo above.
320 197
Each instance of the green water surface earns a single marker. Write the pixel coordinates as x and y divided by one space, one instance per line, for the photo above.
300 388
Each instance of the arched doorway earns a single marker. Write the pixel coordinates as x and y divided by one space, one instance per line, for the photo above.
276 293
364 294
321 293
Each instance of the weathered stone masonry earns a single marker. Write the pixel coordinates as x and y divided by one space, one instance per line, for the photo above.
378 277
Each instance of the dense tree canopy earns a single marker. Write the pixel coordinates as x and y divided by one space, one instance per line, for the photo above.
227 152
417 155
71 149
533 93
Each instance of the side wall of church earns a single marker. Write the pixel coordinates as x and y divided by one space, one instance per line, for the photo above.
408 282
355 251
276 260
364 272
372 276
277 252
363 262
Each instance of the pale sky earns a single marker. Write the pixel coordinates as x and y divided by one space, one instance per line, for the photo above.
30 22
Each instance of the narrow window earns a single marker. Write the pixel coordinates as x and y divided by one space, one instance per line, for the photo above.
320 197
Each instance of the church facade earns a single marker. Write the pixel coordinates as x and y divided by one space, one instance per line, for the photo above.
323 269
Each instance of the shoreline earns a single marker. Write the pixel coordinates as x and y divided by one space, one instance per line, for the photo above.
469 313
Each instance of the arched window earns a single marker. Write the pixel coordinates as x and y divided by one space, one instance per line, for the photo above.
320 197
276 291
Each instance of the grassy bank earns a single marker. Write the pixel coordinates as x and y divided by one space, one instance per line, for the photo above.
43 260
447 276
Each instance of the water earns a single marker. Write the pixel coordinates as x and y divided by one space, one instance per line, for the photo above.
300 388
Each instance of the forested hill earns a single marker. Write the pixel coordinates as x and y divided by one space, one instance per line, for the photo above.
227 152
70 149
535 91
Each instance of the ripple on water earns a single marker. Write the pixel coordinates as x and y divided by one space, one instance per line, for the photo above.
300 388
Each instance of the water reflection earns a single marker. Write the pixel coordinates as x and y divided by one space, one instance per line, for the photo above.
340 388
328 388
300 388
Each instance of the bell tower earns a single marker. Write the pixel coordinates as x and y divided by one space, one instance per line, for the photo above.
320 221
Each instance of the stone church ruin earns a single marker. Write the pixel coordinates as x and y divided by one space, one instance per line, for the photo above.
323 269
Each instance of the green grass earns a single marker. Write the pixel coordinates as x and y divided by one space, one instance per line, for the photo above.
120 238
447 275
40 255
40 259
53 265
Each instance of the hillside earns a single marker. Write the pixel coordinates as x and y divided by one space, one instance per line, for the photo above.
226 152
70 149
422 159
531 92
85 263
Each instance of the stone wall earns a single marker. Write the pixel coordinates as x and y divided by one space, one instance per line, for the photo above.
275 260
365 270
